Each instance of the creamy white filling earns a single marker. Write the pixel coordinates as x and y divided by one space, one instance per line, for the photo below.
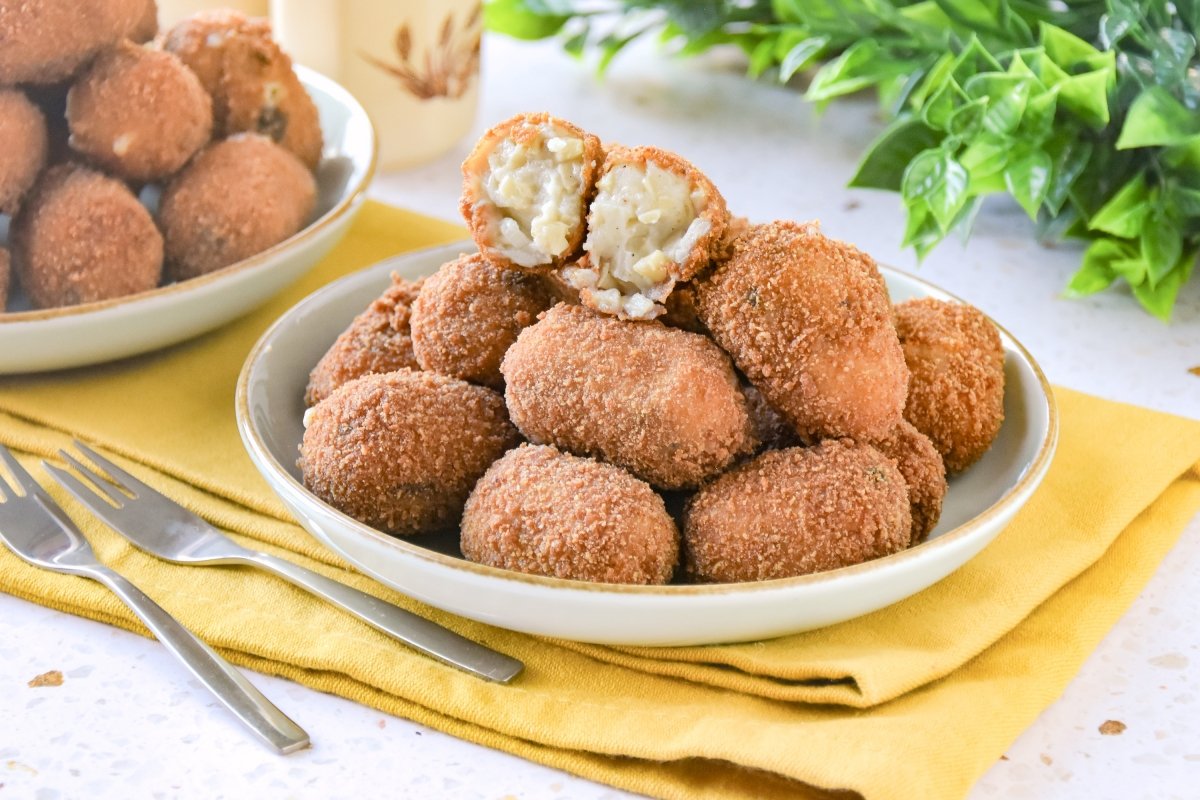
537 189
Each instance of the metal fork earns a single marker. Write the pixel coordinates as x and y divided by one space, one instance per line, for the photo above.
160 526
34 527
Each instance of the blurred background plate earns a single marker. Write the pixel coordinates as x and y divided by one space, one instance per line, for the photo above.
979 504
40 340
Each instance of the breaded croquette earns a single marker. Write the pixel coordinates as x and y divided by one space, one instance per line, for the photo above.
807 319
526 185
251 80
138 113
377 340
544 512
82 236
469 313
660 402
401 450
655 220
47 41
235 199
797 511
147 25
25 144
924 474
956 395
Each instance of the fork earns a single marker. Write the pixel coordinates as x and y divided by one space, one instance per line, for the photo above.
36 529
160 526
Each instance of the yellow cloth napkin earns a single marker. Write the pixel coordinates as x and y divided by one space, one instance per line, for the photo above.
916 700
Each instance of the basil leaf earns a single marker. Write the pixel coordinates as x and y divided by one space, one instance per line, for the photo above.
886 159
1096 272
522 19
935 177
1123 214
1038 119
1157 119
1160 299
941 107
860 66
1064 48
1070 156
1007 96
1027 178
1161 243
1086 94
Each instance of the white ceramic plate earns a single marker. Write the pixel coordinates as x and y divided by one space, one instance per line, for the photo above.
979 504
39 340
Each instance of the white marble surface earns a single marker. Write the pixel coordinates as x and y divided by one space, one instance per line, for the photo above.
126 722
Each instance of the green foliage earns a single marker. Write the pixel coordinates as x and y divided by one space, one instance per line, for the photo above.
1084 112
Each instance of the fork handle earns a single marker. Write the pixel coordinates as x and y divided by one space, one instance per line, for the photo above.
228 684
416 631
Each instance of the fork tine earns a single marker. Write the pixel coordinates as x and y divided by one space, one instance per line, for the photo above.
99 480
75 487
116 475
23 478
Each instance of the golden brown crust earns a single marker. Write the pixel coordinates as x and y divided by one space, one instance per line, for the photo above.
23 152
236 198
138 113
401 450
956 395
5 277
662 403
807 319
470 312
541 511
480 212
82 236
377 340
797 511
924 474
46 41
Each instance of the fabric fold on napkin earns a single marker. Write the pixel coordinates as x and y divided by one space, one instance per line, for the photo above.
915 700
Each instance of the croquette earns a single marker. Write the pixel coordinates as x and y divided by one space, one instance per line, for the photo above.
251 80
25 144
526 185
5 277
797 511
924 473
47 41
82 236
660 402
807 319
138 113
541 511
236 198
401 450
655 220
377 340
146 27
956 395
469 313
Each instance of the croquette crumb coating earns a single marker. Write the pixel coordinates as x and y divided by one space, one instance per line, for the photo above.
377 340
46 41
24 148
470 312
797 511
956 395
924 474
655 220
138 113
5 276
82 236
807 319
544 512
236 198
400 451
251 80
662 403
526 185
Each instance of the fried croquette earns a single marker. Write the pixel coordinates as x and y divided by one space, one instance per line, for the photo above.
251 80
138 113
655 220
146 27
5 277
660 402
236 198
541 511
924 473
46 41
956 395
807 319
23 154
401 450
797 511
377 340
82 236
526 185
470 312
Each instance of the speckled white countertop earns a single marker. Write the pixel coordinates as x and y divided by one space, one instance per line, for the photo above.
126 721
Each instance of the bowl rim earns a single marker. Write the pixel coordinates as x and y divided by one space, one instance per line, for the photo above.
1007 504
346 203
